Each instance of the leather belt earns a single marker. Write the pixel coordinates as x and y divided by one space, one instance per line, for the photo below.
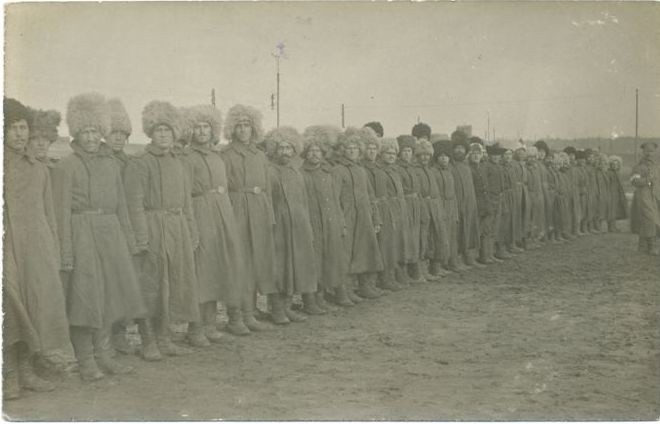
251 190
94 212
216 190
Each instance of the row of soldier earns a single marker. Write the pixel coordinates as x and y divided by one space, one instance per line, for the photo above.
99 240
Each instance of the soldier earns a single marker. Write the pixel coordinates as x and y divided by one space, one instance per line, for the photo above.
119 131
434 246
645 210
536 198
442 152
160 206
219 266
563 211
543 157
393 238
583 188
295 263
468 226
33 300
95 236
485 211
326 217
592 191
521 194
601 164
389 239
43 133
618 207
357 200
495 186
249 192
411 189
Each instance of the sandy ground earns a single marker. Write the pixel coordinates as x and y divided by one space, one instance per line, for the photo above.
567 332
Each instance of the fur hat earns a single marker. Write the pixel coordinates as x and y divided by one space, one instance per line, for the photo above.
161 113
14 111
369 137
388 144
45 123
570 150
406 141
579 154
352 135
421 130
442 148
495 150
376 126
88 110
422 147
324 136
477 147
240 112
204 113
542 145
476 139
282 135
459 136
119 119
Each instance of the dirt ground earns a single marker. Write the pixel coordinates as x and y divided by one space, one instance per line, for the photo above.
566 332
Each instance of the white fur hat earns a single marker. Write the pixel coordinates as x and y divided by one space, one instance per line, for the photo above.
161 113
87 110
240 112
208 114
119 119
282 134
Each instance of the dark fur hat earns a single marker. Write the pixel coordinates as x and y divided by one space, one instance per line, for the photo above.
579 154
570 150
420 130
442 148
406 141
45 123
14 111
542 145
376 126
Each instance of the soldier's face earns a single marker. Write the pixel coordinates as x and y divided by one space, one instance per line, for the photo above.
459 153
406 154
352 152
508 156
116 140
443 160
202 133
615 165
541 154
521 155
314 155
17 135
284 152
163 137
89 139
39 146
388 156
424 158
495 158
243 131
476 156
648 151
370 152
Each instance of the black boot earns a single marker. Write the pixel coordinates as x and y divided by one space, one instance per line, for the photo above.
81 339
103 354
235 324
290 313
277 309
150 350
341 297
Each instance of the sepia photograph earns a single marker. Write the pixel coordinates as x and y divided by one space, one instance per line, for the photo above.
331 211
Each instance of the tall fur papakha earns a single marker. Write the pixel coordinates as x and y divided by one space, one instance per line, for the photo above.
241 112
324 136
389 143
357 136
370 137
161 113
405 140
44 124
282 135
208 114
119 119
423 146
88 110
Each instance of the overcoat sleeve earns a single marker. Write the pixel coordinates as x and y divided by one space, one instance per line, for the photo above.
49 207
124 220
62 197
187 205
135 182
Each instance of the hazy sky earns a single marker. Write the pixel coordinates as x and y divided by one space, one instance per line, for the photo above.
560 69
